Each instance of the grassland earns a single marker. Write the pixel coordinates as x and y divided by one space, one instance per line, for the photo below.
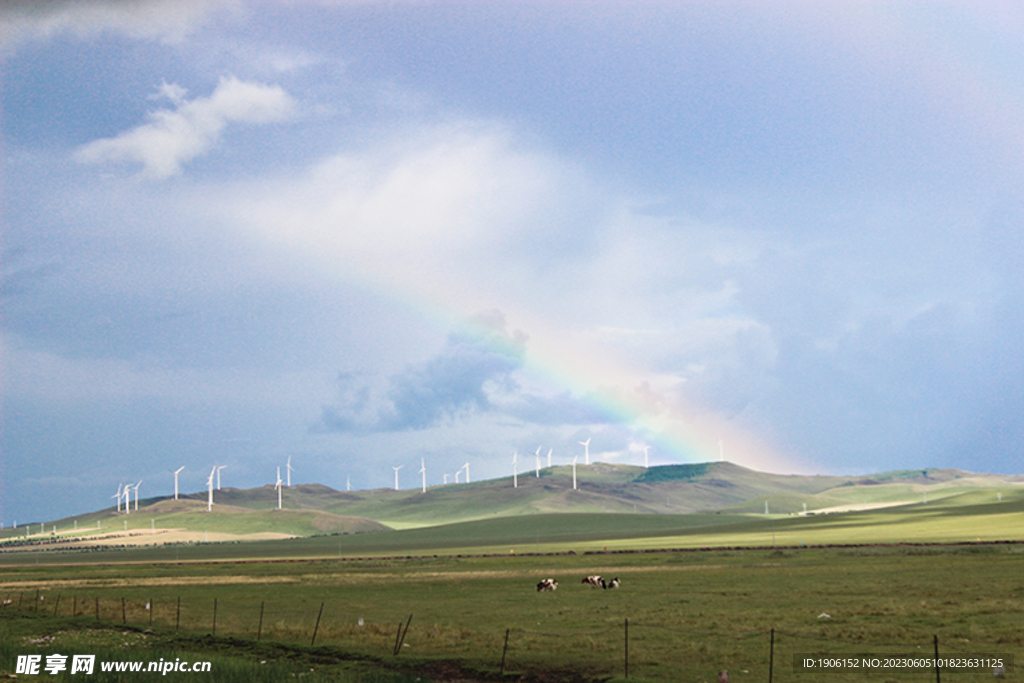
690 613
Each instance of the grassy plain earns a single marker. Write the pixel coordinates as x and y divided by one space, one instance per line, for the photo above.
690 613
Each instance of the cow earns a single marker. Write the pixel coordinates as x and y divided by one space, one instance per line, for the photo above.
547 585
614 583
594 581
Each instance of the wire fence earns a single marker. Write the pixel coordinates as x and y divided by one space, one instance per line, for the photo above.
792 654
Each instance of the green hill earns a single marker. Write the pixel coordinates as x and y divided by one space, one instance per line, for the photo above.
666 494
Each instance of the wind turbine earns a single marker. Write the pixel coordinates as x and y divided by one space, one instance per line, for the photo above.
536 458
467 472
457 473
137 495
396 474
218 475
278 487
117 495
176 473
127 499
549 456
586 448
646 448
209 487
574 459
289 471
423 471
348 482
515 472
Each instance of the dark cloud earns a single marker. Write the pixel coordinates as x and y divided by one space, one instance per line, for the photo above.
455 383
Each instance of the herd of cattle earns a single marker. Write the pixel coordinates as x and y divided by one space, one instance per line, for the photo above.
593 581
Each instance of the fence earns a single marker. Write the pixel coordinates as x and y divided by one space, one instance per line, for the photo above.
810 653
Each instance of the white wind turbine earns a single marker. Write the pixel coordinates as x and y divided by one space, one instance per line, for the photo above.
118 496
127 499
176 473
288 471
396 474
536 458
515 470
586 450
423 471
278 487
348 482
549 456
209 489
218 475
137 495
574 459
457 473
466 466
646 448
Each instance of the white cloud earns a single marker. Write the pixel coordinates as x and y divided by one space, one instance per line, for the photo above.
176 136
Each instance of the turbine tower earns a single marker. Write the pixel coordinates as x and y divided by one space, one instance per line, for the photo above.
423 471
348 482
176 473
574 459
289 471
457 473
396 474
646 448
116 495
536 459
127 499
549 456
586 450
278 487
218 475
209 488
466 466
515 470
137 495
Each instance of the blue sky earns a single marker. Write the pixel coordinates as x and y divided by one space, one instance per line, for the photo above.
364 233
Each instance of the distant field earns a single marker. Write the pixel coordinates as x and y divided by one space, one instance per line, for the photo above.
690 613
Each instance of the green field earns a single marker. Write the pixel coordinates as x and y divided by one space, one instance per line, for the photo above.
690 613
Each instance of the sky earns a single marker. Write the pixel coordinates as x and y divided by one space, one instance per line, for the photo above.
367 234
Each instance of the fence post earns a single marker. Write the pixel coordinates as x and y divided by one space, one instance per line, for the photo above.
937 658
97 609
259 629
152 608
627 647
398 648
397 636
503 651
177 616
317 627
74 606
771 657
214 631
37 601
56 606
124 613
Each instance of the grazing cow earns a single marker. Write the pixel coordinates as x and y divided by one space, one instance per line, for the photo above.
547 585
594 581
614 583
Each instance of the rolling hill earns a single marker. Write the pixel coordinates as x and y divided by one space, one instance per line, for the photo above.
665 497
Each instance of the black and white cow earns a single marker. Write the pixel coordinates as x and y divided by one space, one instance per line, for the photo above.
547 585
594 581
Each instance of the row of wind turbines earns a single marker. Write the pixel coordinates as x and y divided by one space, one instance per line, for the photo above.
515 466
